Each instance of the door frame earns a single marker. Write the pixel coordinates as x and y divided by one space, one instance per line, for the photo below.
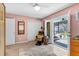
4 18
69 23
45 31
4 29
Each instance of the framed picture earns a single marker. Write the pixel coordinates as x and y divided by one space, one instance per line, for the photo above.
21 27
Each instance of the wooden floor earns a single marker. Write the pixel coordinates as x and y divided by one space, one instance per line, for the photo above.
20 49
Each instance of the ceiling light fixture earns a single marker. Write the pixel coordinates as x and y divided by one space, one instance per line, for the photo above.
36 7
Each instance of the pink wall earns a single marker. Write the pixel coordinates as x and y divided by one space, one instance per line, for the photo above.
74 23
19 38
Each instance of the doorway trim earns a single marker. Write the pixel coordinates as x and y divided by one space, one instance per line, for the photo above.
69 23
45 31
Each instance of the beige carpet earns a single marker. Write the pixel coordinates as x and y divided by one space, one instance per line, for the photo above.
44 50
30 49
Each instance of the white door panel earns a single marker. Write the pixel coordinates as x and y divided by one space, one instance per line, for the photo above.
10 31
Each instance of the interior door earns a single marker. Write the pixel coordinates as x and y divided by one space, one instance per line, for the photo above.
10 31
48 29
2 29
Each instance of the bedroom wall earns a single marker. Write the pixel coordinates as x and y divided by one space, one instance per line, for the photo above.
32 26
19 38
72 11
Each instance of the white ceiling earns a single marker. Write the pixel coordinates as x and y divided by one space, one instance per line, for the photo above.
26 9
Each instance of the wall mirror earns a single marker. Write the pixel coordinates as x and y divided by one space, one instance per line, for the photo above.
21 27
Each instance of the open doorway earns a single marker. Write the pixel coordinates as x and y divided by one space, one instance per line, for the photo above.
48 30
61 35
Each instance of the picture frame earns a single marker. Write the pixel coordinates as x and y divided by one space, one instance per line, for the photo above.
21 27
